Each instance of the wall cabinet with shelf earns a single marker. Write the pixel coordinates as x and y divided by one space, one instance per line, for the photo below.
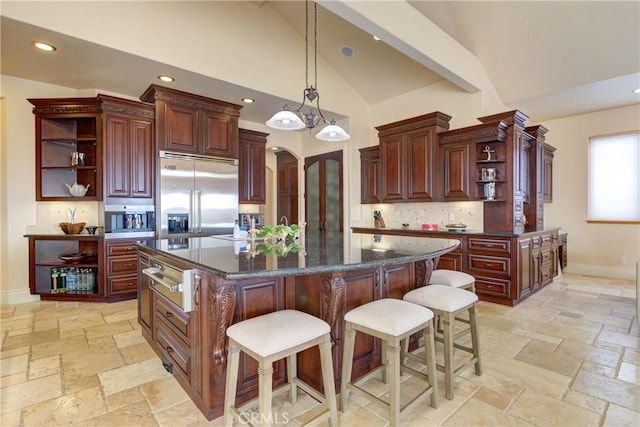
194 124
54 278
65 126
252 166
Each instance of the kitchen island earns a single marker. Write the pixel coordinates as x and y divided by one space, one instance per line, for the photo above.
226 281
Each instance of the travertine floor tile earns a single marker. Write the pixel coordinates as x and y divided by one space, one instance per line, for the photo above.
617 417
619 392
119 379
29 393
86 363
547 411
64 410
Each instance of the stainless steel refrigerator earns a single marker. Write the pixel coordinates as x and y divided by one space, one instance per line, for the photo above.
198 195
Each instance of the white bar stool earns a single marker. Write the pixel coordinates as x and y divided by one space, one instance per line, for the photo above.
392 321
456 279
446 302
269 338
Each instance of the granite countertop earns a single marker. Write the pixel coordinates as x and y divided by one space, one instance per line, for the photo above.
332 253
439 232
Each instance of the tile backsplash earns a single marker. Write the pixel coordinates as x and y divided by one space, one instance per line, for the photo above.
50 214
416 214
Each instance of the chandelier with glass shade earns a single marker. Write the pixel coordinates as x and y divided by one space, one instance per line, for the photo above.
287 119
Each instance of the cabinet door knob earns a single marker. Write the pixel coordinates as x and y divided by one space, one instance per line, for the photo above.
168 314
169 349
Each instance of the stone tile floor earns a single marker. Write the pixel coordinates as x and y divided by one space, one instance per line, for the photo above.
568 356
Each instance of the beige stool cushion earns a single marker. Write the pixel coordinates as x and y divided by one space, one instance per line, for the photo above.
274 332
441 297
390 316
457 279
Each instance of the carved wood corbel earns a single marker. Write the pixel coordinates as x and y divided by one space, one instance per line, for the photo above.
223 303
332 290
424 269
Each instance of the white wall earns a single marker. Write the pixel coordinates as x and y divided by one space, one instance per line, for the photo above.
19 208
593 248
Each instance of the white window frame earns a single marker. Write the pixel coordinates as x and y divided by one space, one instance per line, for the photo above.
614 179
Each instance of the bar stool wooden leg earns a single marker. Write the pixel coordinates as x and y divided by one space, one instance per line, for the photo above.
349 343
265 384
326 361
385 364
430 354
292 373
473 314
393 367
233 361
448 321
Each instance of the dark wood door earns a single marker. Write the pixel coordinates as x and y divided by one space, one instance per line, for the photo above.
421 164
118 156
323 192
218 134
141 177
180 128
287 176
252 169
456 162
393 172
370 174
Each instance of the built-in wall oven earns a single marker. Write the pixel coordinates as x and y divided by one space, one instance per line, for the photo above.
129 221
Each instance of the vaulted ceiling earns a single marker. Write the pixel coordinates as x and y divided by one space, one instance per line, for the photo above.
549 59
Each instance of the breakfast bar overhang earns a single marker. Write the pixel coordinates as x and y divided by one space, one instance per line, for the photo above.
220 281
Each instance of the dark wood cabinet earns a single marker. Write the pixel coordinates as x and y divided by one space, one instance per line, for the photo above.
65 126
507 268
145 309
409 158
194 124
54 278
287 194
128 153
121 272
252 167
370 171
114 138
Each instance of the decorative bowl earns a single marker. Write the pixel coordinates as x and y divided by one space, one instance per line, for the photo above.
91 229
72 228
75 257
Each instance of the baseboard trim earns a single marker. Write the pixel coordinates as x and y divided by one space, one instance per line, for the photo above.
600 271
17 297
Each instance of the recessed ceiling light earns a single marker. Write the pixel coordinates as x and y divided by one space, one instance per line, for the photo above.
637 90
166 78
347 51
376 38
248 100
44 46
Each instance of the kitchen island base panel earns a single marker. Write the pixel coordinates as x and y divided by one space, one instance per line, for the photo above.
195 348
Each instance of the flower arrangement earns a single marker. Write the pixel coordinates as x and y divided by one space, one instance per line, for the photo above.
278 232
279 240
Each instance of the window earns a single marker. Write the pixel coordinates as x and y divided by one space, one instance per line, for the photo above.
614 178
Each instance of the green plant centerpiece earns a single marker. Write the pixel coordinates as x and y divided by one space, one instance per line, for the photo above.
279 240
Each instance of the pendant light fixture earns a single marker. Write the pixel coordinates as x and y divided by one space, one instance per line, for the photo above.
287 119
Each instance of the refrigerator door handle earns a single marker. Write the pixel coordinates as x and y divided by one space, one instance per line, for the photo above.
198 210
192 210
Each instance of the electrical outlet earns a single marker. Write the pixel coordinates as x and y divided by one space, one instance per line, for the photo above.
452 216
622 260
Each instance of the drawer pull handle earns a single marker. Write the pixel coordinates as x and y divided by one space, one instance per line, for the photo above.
488 264
168 314
130 249
130 265
169 349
